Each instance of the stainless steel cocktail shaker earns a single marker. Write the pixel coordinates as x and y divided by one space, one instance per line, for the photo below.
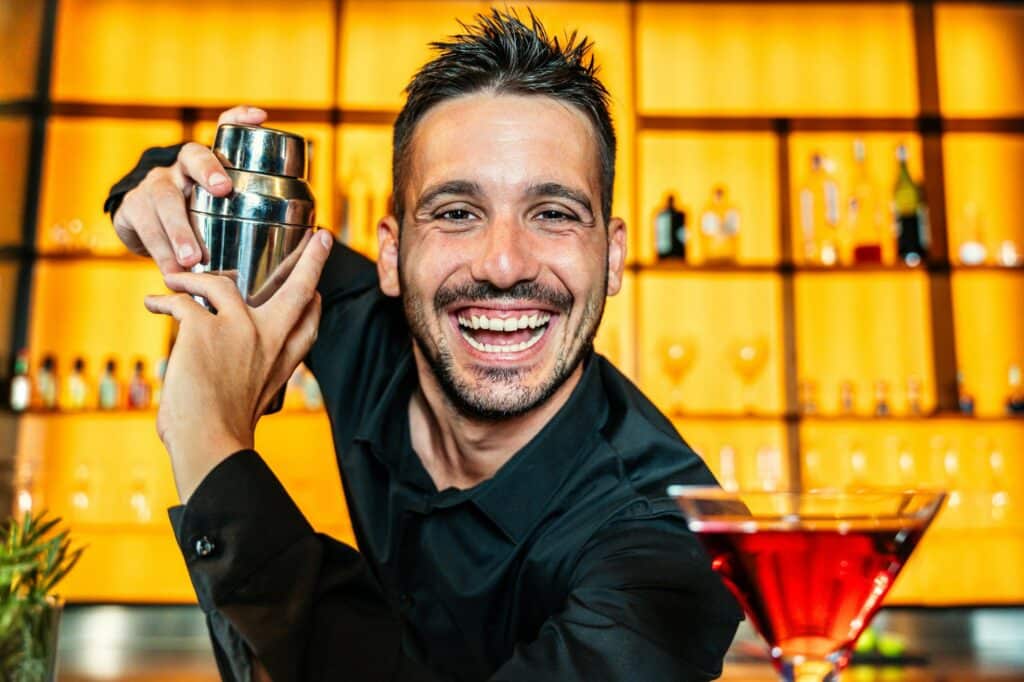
255 234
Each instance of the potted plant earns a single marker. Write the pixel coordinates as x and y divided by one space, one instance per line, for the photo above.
34 558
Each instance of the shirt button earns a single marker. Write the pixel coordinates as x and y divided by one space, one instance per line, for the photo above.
205 546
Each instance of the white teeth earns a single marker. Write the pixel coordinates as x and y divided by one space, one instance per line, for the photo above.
509 324
510 348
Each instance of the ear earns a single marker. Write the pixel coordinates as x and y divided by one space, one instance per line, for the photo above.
616 254
387 260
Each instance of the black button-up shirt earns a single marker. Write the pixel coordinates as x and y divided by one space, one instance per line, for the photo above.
570 563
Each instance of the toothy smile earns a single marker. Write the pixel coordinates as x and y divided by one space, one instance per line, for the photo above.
493 334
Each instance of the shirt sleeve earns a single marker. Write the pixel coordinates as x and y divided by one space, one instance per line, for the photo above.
644 605
151 158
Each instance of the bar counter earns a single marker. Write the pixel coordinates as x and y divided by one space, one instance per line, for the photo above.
169 644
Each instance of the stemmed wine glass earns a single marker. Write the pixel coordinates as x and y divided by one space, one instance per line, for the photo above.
749 356
677 356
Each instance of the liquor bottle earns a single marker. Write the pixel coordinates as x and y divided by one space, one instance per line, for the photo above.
109 389
21 385
964 400
670 231
76 389
881 398
312 396
914 406
819 213
46 383
972 249
863 212
158 387
847 398
808 396
1009 255
1015 396
139 390
910 213
719 227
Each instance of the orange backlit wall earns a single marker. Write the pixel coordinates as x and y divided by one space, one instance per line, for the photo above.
698 93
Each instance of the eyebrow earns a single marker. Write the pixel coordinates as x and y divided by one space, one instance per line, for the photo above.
464 187
554 189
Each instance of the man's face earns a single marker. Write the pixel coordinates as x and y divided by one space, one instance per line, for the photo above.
504 259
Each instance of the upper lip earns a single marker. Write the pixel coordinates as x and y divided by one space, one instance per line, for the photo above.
498 308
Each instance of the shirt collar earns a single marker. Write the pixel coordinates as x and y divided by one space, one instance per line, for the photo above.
516 496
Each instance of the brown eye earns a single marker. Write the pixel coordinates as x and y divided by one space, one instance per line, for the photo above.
456 214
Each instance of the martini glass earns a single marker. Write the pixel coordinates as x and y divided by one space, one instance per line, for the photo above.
677 359
749 357
809 568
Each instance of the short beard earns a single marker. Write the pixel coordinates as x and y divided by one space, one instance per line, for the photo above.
501 398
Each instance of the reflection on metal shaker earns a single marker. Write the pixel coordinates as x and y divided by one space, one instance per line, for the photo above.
255 234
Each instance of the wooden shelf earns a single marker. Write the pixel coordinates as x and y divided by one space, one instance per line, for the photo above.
790 268
820 124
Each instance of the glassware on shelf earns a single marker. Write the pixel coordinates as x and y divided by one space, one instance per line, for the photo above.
819 213
946 463
807 396
677 357
901 462
719 227
999 496
670 231
139 499
21 384
964 399
915 406
81 492
864 212
882 398
727 468
768 462
785 554
1015 392
749 357
910 214
813 476
1009 254
847 397
972 248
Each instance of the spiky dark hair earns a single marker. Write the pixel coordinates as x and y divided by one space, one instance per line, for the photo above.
500 54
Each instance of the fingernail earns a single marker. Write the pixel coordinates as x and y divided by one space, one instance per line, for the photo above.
185 252
217 179
326 239
255 110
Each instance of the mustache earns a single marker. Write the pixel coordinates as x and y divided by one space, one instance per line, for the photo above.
480 292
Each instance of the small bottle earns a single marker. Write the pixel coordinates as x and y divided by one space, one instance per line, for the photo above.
819 213
719 227
313 398
21 384
158 387
847 398
808 396
881 398
109 389
911 215
914 406
670 231
139 390
76 389
46 383
1009 255
1015 395
964 400
863 212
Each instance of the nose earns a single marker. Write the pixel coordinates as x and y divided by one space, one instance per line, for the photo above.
507 255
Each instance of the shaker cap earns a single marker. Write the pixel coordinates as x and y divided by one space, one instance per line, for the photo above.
261 150
259 197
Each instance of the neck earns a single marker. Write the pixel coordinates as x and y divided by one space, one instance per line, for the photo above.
460 451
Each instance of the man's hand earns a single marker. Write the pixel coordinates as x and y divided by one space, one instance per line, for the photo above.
225 368
153 218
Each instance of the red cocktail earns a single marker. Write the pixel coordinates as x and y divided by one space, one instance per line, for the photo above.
811 568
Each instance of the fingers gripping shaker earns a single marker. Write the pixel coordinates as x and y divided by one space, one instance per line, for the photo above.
255 234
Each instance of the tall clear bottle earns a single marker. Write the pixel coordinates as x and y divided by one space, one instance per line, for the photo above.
719 227
863 212
910 214
819 213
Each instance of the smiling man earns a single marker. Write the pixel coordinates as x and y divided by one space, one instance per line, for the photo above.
507 486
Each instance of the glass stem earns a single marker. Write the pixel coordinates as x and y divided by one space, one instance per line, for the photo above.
809 671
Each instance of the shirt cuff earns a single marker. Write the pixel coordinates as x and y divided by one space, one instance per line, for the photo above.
239 518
